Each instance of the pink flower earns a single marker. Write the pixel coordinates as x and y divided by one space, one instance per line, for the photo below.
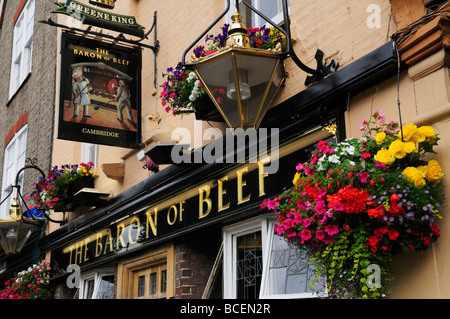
362 125
320 235
272 204
366 155
210 52
364 176
332 230
305 235
306 222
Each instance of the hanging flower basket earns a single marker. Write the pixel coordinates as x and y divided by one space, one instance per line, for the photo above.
32 283
76 185
56 191
357 203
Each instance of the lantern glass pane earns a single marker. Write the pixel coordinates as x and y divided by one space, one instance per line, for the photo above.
259 70
254 72
274 85
15 235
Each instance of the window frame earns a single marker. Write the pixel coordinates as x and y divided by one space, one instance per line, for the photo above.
89 153
2 13
8 180
230 235
96 276
265 276
22 47
255 20
265 224
162 257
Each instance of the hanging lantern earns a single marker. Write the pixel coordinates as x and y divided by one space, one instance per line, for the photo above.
15 229
241 81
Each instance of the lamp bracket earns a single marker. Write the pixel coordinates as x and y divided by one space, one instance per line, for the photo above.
322 69
31 163
121 37
317 74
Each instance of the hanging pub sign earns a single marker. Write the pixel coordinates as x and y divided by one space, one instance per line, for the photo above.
100 92
79 11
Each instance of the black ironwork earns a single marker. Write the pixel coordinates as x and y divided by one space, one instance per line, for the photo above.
321 71
119 38
30 163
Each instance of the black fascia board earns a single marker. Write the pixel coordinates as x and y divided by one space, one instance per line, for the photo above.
292 116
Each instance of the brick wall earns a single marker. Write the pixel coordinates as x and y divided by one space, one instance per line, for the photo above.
194 259
37 96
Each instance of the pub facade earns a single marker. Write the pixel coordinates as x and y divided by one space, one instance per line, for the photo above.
196 228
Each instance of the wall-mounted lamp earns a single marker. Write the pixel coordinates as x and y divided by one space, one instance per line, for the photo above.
251 77
18 226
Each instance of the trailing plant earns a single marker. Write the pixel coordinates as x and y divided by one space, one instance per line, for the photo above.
355 204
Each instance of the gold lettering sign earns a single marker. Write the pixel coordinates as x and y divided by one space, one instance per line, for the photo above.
217 196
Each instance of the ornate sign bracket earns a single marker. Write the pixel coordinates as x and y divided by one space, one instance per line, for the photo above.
102 19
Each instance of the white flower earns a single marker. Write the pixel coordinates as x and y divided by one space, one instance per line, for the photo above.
349 150
321 160
334 159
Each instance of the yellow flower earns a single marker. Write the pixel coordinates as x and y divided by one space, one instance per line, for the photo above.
418 137
408 132
296 177
414 176
379 138
409 147
422 170
396 148
434 172
385 156
91 172
428 131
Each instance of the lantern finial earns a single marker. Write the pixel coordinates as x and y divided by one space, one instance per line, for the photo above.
237 33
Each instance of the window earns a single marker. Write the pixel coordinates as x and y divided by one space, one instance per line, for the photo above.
273 9
2 13
151 281
22 47
99 285
259 264
149 276
287 273
13 161
89 153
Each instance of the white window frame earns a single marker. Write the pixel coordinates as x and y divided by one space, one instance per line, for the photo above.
96 276
230 235
265 277
265 224
89 153
14 159
258 21
22 50
1 13
278 18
